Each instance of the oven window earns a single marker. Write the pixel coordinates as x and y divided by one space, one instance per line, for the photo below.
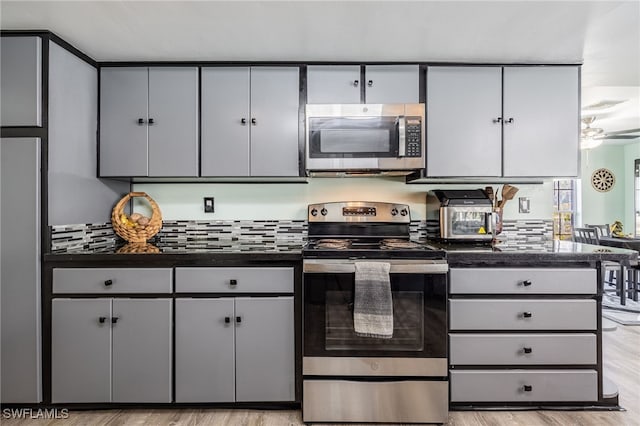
468 223
419 317
408 326
353 137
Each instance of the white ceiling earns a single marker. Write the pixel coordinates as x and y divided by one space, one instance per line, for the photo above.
604 35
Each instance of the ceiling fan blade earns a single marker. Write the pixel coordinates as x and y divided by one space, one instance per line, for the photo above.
622 132
617 137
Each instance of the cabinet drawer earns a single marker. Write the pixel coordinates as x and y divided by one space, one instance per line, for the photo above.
509 386
522 349
523 281
112 280
531 314
234 280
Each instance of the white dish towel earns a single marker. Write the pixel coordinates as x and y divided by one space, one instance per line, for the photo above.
373 305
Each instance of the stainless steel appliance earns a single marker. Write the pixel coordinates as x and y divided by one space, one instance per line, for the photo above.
349 378
465 215
364 138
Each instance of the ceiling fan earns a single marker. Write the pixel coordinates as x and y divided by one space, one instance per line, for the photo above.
592 137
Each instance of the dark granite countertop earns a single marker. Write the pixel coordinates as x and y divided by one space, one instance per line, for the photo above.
179 251
535 253
211 251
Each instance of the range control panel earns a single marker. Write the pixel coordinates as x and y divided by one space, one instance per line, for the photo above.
359 211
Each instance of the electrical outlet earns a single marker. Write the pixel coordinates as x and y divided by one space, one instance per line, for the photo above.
208 205
524 205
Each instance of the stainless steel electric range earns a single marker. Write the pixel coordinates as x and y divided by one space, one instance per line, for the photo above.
349 378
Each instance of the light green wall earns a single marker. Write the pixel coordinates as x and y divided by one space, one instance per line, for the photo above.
289 201
631 153
603 207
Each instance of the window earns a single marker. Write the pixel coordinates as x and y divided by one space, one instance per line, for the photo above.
564 208
636 181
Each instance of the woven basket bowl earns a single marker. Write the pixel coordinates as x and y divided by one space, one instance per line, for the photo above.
136 234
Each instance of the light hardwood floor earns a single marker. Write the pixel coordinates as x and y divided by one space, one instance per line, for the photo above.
622 365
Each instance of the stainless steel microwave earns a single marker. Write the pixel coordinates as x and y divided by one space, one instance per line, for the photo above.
361 138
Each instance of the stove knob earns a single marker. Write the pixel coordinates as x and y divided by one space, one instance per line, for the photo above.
323 212
404 212
394 212
314 212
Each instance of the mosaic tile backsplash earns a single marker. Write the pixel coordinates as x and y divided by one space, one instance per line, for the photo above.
98 235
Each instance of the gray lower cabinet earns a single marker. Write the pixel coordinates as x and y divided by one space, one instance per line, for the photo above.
235 349
111 350
149 121
20 300
527 334
486 121
21 81
250 118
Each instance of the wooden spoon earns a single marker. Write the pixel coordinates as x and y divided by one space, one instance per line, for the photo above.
508 194
489 191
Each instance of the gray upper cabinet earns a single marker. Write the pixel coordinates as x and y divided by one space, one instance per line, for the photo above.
464 133
141 366
111 350
265 350
149 121
225 121
205 350
502 121
383 84
250 121
81 350
541 121
333 84
275 102
123 117
392 84
21 81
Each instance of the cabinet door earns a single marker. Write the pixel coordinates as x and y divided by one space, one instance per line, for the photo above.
274 110
123 141
265 360
173 134
21 81
205 364
543 138
392 84
142 350
463 134
81 350
333 84
20 352
225 122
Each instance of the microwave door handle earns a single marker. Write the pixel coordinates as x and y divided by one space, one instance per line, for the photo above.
402 143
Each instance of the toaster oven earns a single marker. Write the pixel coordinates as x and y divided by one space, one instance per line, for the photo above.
464 215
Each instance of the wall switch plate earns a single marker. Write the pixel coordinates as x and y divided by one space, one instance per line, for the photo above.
208 205
524 205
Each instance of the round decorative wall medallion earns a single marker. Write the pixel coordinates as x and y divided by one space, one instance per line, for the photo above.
603 180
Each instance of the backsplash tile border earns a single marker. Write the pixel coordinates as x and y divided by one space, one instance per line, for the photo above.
99 235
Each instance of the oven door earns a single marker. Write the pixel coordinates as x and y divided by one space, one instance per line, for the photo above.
419 293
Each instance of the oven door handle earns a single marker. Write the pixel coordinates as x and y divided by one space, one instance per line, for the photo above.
347 266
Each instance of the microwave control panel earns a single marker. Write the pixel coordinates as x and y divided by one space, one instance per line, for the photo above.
413 134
